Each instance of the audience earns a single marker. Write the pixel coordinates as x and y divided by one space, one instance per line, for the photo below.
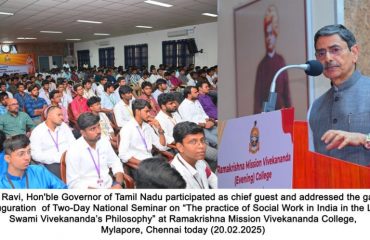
20 174
15 122
189 162
138 136
50 139
123 109
88 160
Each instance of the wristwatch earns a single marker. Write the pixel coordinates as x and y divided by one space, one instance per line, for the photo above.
367 142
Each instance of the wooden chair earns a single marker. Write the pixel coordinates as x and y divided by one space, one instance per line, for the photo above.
63 172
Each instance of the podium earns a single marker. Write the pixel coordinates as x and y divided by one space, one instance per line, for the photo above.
279 135
314 170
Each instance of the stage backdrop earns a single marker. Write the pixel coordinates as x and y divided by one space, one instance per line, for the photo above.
288 21
17 63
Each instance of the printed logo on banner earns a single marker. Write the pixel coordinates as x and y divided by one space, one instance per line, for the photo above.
254 143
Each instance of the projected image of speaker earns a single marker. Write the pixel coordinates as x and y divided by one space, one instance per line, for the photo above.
192 46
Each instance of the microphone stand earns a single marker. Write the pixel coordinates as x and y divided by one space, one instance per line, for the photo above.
270 105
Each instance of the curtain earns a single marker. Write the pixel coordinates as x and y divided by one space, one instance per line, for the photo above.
106 57
176 53
136 55
83 57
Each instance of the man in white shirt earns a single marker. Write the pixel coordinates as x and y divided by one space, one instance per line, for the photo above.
138 136
168 117
189 162
153 76
89 159
44 91
65 97
88 91
191 110
123 109
121 82
50 139
161 88
100 88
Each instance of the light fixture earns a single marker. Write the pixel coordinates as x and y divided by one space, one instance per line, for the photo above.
101 34
88 21
210 14
6 13
73 39
26 38
50 32
158 3
7 42
143 26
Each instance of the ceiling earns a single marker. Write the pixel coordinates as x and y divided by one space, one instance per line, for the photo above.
119 18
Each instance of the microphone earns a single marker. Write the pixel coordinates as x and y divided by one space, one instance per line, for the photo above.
311 68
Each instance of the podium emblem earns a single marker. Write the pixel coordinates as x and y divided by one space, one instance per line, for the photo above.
254 144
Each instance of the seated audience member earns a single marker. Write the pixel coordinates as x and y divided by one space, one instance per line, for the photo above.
3 89
100 88
157 173
15 122
123 109
168 117
191 110
79 103
89 159
55 99
205 100
44 91
193 78
161 86
35 105
3 163
174 80
3 99
88 91
153 75
105 124
108 99
182 76
134 77
138 136
22 175
65 99
189 162
50 139
121 82
146 94
21 96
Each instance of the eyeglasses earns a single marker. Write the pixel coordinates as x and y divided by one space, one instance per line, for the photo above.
334 51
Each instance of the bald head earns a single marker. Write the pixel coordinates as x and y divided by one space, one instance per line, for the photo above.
12 105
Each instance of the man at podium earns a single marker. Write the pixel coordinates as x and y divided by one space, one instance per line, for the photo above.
345 107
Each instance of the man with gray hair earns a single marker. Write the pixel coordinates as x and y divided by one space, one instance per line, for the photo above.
341 115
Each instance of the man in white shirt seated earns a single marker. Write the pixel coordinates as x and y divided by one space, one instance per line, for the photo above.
50 139
168 117
44 91
66 98
153 76
189 162
100 88
161 86
88 91
89 159
121 82
138 136
123 109
191 110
